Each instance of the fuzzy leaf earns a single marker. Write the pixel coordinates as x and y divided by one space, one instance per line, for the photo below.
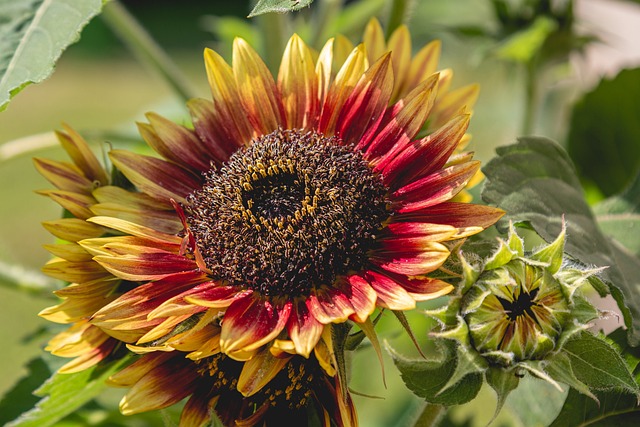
604 133
33 35
598 365
559 368
619 217
616 407
280 6
534 181
62 394
429 378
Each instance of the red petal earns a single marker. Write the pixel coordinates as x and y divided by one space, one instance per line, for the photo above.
304 329
211 124
390 294
365 107
330 305
363 298
251 322
146 266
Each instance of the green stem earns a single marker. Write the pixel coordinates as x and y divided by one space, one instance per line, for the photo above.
327 11
430 416
274 28
398 14
138 40
531 98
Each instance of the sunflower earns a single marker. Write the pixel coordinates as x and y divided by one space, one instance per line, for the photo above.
91 286
304 200
266 390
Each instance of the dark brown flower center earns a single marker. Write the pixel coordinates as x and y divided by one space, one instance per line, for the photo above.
291 212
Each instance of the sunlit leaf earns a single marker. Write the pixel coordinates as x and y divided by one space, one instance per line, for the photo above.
280 6
534 181
524 45
33 35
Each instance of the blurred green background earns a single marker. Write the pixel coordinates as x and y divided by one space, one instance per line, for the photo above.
98 87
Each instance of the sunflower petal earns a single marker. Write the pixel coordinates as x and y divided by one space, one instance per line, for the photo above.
304 329
257 372
390 294
298 85
251 322
257 89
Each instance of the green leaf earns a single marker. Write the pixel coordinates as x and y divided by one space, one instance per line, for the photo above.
280 6
534 181
33 35
63 394
619 217
616 407
604 133
535 402
560 369
430 379
598 365
20 398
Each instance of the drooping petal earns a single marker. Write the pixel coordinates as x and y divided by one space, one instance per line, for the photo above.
304 329
90 289
298 85
158 178
146 266
76 203
73 229
64 176
330 305
258 92
164 385
134 229
257 372
198 409
421 257
69 252
163 221
251 322
74 309
79 151
74 271
363 298
390 294
175 143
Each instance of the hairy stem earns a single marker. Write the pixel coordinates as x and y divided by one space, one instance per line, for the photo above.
146 50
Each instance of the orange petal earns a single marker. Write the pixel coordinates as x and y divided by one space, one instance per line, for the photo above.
258 92
251 322
65 176
304 329
73 229
79 151
298 85
257 372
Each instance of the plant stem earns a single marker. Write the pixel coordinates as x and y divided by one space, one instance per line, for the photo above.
398 15
430 416
531 99
138 40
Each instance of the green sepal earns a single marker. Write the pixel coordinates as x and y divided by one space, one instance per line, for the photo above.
468 362
597 364
560 369
470 273
503 382
573 278
582 310
500 257
515 242
459 333
425 378
537 369
552 253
